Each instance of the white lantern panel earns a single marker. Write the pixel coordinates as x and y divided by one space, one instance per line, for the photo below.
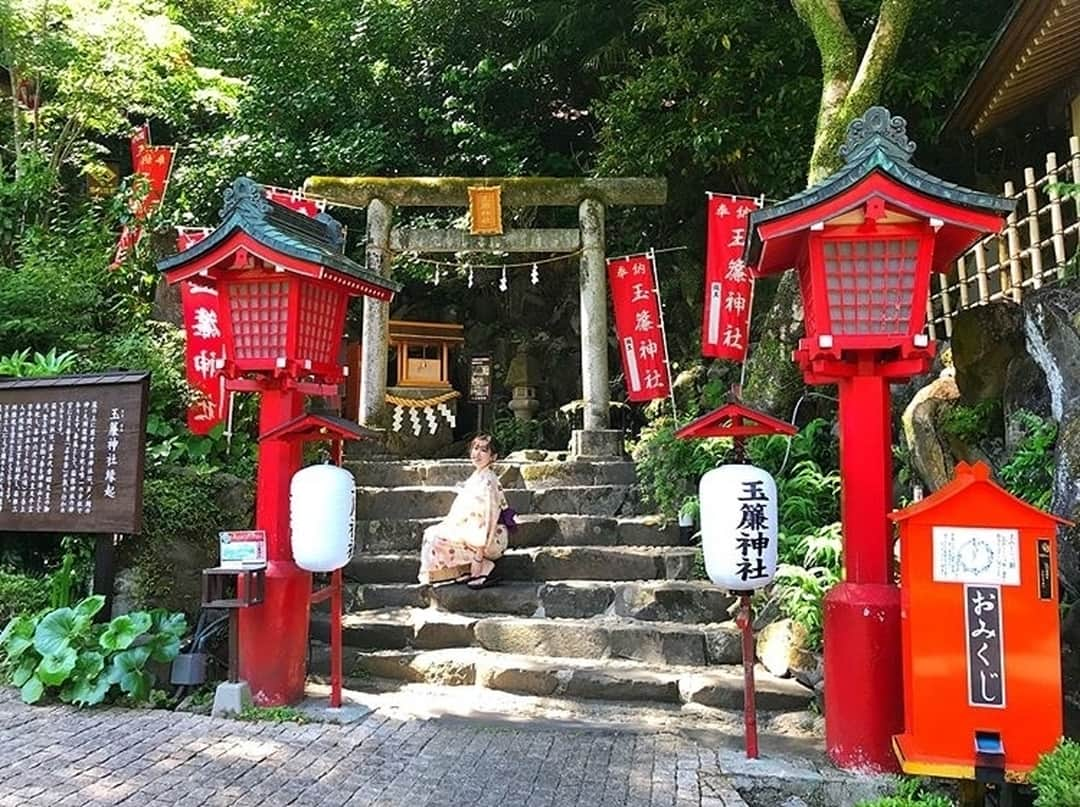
322 510
739 526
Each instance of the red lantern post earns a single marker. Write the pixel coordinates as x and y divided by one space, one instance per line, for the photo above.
283 284
864 242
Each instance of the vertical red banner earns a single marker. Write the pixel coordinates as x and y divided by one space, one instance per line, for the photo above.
638 327
154 163
725 326
205 345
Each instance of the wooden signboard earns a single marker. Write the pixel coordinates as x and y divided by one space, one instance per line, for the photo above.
72 453
480 379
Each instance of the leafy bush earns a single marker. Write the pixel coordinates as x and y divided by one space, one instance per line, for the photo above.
20 365
670 469
22 594
513 434
910 793
972 424
1029 472
809 566
65 653
1057 776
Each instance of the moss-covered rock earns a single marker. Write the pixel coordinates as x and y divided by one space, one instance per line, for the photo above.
985 341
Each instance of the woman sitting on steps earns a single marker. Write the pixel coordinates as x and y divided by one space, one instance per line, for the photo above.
464 546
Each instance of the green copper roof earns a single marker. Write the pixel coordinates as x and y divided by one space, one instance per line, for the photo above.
875 142
318 240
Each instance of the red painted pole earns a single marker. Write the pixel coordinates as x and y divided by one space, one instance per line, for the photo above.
863 673
273 636
335 641
745 621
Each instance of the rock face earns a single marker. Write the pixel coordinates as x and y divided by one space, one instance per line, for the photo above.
930 453
984 341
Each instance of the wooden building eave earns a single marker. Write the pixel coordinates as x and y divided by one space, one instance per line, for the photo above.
1036 50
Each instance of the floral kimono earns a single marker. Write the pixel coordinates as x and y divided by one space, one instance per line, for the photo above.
470 532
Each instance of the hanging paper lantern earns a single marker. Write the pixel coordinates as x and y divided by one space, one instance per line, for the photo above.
739 526
322 509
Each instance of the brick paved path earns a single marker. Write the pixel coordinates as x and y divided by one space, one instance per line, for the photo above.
60 756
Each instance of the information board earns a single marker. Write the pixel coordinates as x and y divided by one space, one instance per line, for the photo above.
72 453
479 379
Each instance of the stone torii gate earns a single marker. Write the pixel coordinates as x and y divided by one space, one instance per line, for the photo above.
380 195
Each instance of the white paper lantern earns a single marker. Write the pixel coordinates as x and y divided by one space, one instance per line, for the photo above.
738 526
322 509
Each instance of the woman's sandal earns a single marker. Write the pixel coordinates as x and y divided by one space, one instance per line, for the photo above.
481 581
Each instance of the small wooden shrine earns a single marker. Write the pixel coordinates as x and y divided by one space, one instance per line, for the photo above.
423 351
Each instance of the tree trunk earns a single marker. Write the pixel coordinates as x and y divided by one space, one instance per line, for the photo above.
849 87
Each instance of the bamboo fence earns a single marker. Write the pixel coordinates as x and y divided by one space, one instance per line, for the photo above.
1037 245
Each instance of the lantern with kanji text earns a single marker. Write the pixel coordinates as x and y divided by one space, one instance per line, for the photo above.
864 242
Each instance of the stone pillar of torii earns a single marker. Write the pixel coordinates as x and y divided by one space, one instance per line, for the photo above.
380 195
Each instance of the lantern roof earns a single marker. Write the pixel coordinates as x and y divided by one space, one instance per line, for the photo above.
249 219
877 154
309 426
975 475
734 420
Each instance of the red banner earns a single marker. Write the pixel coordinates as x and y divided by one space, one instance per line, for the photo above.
638 327
154 164
205 345
725 326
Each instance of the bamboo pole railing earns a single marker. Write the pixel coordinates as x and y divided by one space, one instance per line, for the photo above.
1038 245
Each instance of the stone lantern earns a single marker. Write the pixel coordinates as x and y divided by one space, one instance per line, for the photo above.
522 378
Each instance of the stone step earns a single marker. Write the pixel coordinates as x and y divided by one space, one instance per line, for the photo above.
544 563
532 475
650 642
376 504
718 687
654 600
386 535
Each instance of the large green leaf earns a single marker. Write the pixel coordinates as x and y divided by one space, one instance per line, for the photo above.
164 621
55 631
124 630
18 635
55 668
90 691
32 691
89 665
90 606
21 674
164 647
127 671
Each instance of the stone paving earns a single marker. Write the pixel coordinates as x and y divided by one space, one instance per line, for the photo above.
55 755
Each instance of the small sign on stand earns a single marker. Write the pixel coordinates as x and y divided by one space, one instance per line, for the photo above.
480 385
241 549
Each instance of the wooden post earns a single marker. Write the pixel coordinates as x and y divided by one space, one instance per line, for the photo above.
594 325
946 305
962 278
1057 228
1034 240
1012 234
105 572
376 316
931 327
980 270
1074 161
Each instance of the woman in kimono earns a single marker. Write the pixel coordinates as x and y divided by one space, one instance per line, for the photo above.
464 546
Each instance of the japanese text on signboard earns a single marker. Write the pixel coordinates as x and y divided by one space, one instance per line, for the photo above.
71 453
728 285
986 666
638 327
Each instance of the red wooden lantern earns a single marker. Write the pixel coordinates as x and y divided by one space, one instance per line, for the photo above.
864 242
283 283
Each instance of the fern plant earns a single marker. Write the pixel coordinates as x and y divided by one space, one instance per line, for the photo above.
1029 472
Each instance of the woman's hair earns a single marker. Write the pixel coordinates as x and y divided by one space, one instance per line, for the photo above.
488 440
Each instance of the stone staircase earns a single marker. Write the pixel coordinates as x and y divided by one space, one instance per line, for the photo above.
595 600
